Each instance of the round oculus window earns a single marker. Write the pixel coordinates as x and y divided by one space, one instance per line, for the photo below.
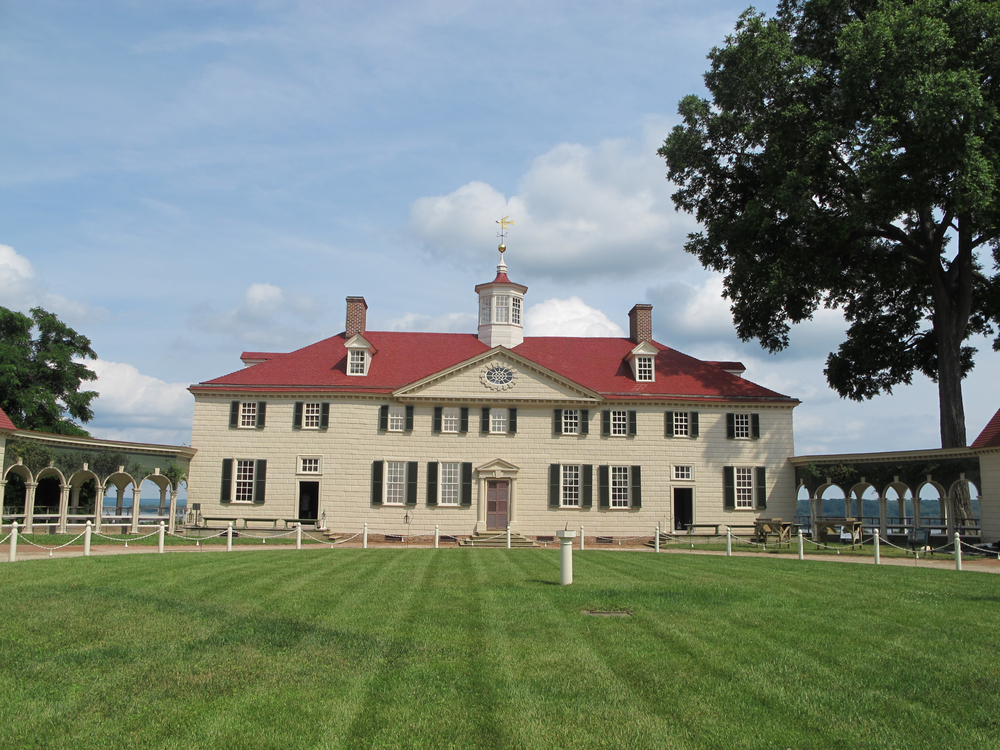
499 377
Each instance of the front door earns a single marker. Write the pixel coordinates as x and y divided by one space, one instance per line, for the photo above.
308 500
497 492
683 508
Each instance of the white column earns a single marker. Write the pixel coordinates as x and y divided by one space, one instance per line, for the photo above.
958 551
298 536
29 507
878 550
12 550
565 537
172 521
229 536
136 493
581 538
86 540
364 537
437 536
63 508
656 536
508 532
99 507
159 540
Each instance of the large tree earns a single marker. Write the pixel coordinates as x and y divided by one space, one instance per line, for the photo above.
850 157
41 373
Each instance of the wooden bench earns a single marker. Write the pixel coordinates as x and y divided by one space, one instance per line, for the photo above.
834 527
715 526
766 528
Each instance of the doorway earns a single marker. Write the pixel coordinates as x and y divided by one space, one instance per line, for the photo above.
497 499
308 500
683 508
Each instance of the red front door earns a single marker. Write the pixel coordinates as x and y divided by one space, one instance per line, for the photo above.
496 504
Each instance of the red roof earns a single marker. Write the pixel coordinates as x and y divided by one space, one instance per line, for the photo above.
5 423
990 436
404 357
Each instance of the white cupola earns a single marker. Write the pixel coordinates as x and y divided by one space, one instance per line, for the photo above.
501 309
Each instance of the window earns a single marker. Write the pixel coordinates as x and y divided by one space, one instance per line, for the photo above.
310 417
619 422
741 424
619 487
358 362
397 418
244 481
515 310
571 421
395 482
502 301
498 420
644 368
248 414
683 473
309 466
450 483
450 416
570 486
681 424
744 487
484 311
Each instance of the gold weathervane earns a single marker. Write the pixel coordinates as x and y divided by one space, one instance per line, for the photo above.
505 222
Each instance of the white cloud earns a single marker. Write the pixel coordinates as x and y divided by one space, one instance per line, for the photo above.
20 290
138 407
568 317
266 316
579 212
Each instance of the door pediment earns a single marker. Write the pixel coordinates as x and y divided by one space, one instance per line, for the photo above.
497 469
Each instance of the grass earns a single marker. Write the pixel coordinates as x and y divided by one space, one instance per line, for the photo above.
479 649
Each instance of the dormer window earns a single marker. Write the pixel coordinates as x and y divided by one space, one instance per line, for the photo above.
359 355
501 300
643 361
644 369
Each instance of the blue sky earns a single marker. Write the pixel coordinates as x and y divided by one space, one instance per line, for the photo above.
186 180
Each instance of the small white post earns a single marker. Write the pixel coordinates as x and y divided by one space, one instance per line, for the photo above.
12 555
878 549
656 547
86 539
159 539
437 536
229 537
364 538
565 537
581 538
802 547
958 551
298 536
508 536
729 542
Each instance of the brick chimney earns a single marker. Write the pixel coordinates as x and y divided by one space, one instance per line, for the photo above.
640 323
357 312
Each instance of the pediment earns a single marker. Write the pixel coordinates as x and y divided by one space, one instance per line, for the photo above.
497 375
498 465
357 341
644 349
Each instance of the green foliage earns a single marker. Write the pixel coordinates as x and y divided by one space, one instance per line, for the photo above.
106 463
32 454
40 377
850 158
174 473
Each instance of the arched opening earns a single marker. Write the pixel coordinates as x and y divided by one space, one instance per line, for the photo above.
116 508
899 506
154 499
14 495
803 509
47 496
834 503
963 500
929 509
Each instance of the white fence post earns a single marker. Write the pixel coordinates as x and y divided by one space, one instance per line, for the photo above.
581 538
12 555
729 542
656 543
878 549
364 538
86 540
298 536
802 546
159 538
437 536
508 536
229 537
958 551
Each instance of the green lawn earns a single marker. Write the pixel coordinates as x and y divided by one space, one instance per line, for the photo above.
480 649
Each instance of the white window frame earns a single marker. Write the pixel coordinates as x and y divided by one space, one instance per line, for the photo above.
644 370
449 492
357 365
397 418
311 414
244 474
741 426
682 424
501 308
485 307
619 422
248 415
570 485
301 465
621 484
394 483
451 414
571 422
499 420
515 310
683 473
744 479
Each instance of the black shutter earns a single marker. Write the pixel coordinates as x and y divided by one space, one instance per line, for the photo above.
730 426
584 421
512 421
632 423
693 424
668 424
755 426
557 422
259 481
761 480
588 486
377 467
484 422
261 415
463 425
409 419
605 489
234 414
605 422
553 485
411 482
635 480
383 417
729 487
324 416
297 419
227 478
432 483
438 411
467 484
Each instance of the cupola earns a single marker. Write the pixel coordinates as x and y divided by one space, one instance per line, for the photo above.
501 309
